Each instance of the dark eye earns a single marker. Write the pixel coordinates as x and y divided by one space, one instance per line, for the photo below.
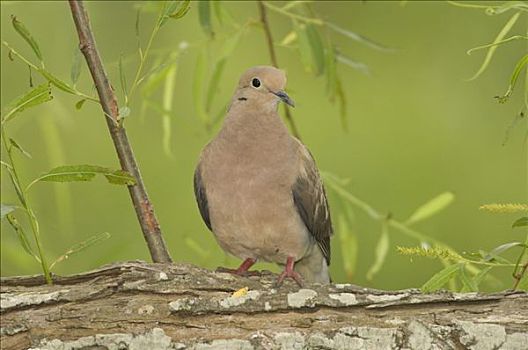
255 82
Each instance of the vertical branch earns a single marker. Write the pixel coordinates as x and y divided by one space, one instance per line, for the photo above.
273 57
142 205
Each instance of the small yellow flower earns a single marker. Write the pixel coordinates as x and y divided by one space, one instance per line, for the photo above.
504 207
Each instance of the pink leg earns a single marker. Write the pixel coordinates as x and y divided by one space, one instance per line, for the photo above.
290 272
242 269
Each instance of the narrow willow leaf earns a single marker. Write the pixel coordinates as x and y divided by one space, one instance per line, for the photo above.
303 43
182 10
218 11
76 67
501 249
24 32
168 7
513 80
79 247
468 285
122 79
6 209
156 76
359 38
330 72
504 31
168 99
479 277
33 97
57 82
73 173
341 96
290 38
18 147
80 103
198 87
441 278
204 15
360 66
521 222
432 207
22 237
317 48
382 248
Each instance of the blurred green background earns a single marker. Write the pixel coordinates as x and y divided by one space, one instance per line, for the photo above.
416 128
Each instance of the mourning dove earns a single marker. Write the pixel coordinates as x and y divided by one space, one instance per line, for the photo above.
258 188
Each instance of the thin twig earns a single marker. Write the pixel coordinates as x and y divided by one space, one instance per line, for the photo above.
273 57
142 205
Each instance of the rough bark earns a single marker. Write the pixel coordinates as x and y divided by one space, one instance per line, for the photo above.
137 305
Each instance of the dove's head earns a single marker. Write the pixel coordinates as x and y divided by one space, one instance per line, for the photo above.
263 85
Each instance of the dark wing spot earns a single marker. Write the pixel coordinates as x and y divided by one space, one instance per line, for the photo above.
242 99
201 198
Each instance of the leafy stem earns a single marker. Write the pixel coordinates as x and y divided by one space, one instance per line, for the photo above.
26 205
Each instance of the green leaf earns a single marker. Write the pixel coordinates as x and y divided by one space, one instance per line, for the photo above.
359 38
204 15
76 67
290 38
341 96
168 98
317 48
33 97
57 82
441 278
81 246
18 147
521 222
382 248
80 103
501 249
22 237
6 209
479 277
431 208
513 80
124 112
73 173
122 79
360 66
182 10
24 32
156 76
504 31
303 43
468 285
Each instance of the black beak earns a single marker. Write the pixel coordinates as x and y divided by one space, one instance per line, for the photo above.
284 97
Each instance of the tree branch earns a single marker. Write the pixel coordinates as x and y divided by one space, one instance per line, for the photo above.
273 57
135 305
142 205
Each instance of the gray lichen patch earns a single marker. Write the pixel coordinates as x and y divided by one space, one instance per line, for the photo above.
239 300
302 298
293 341
386 297
10 300
184 304
482 336
224 344
153 339
346 299
420 336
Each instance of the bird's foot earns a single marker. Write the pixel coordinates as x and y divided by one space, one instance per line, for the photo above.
289 272
242 269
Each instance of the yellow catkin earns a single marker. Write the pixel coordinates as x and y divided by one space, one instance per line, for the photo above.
504 207
241 292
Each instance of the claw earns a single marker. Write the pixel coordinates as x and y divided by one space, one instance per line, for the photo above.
242 269
289 272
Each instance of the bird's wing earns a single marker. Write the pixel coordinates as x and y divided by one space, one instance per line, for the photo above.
201 198
310 200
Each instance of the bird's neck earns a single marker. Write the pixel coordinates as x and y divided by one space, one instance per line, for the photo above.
253 126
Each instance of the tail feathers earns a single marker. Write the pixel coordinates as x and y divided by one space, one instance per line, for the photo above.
313 267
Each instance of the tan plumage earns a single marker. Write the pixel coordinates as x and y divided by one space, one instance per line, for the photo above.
258 188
